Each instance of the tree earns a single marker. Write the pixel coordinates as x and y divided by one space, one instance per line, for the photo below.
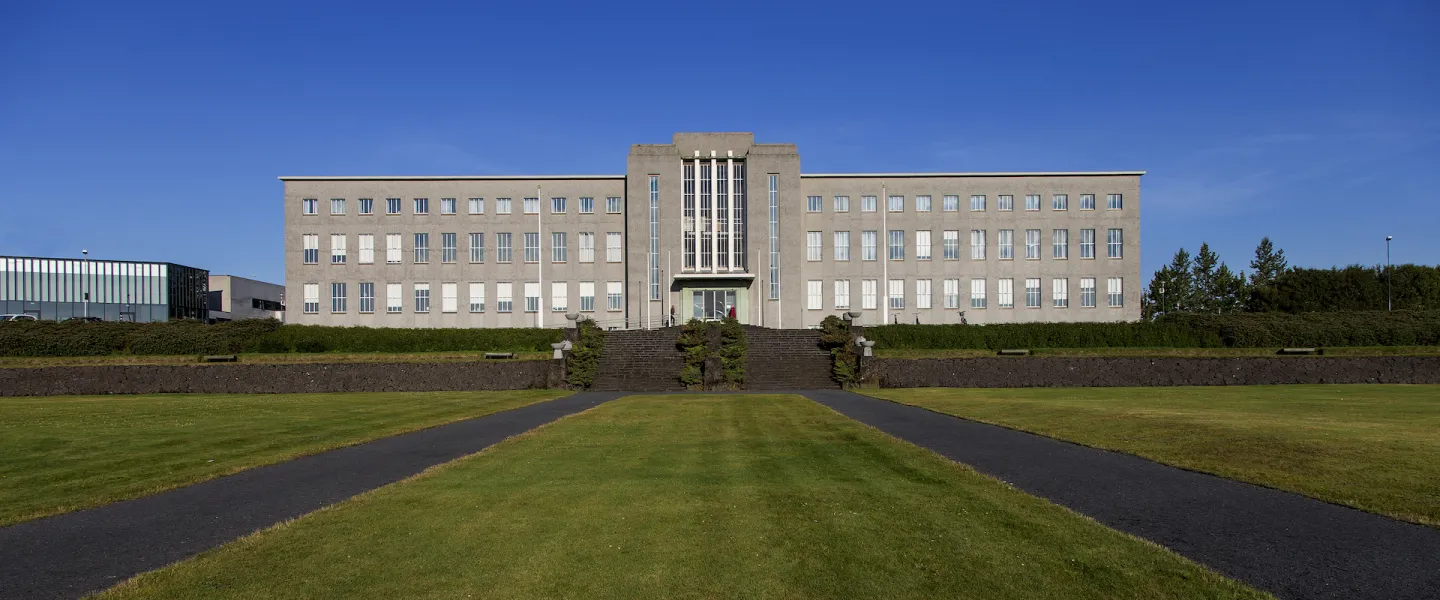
1268 265
1229 290
1203 274
1171 288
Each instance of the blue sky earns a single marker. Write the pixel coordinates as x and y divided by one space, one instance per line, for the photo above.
156 132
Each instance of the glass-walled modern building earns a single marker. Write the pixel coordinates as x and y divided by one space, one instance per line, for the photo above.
55 289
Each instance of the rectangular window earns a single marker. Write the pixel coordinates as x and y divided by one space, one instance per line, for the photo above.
1032 202
587 205
1114 202
559 246
814 203
867 204
310 206
337 248
867 245
532 247
922 245
774 236
502 206
1032 293
897 294
1087 243
587 296
977 203
559 296
977 293
952 244
613 205
557 206
531 206
842 245
897 204
654 237
422 206
922 293
1116 297
951 203
366 242
952 293
312 297
367 206
614 296
447 206
1087 292
867 294
422 297
477 207
503 247
393 303
922 204
477 297
337 206
1007 244
813 251
814 294
614 252
977 244
422 247
1059 202
842 294
504 297
1005 293
1060 244
532 296
1060 292
311 243
1115 243
477 247
1087 201
1005 202
1032 244
449 297
897 244
367 297
392 206
587 246
448 250
842 204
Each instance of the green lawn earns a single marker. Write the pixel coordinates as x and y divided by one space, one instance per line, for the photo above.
59 454
1372 447
692 497
267 359
1173 352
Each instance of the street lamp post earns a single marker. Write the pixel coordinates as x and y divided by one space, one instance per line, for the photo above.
84 284
1389 291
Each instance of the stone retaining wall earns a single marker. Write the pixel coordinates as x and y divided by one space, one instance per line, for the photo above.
274 379
1157 371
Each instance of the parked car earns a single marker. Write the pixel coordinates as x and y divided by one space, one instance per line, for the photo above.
86 319
18 318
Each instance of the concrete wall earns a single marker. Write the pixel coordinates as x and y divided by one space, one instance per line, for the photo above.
236 294
1122 372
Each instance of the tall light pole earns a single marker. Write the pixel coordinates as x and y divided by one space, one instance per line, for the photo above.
84 285
1389 293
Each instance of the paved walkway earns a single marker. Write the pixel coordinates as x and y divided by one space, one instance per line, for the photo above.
73 554
1287 544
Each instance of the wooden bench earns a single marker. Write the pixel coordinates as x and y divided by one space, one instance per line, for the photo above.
1014 352
499 355
1300 351
220 358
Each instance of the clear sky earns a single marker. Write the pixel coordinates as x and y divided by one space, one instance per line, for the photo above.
156 130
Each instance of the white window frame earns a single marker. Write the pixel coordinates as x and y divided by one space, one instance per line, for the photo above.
476 241
1060 244
868 203
813 249
978 301
896 203
1115 292
1005 293
587 246
310 244
951 244
1060 292
559 247
367 206
922 293
842 294
614 205
449 248
421 292
504 206
868 290
338 293
842 204
422 248
1115 242
614 296
366 244
505 297
559 205
1115 202
977 244
614 246
950 203
1032 202
532 294
312 298
449 297
587 205
504 247
814 294
476 296
476 206
814 204
869 251
895 244
951 288
1005 203
1032 244
310 207
447 206
393 206
923 247
1087 248
337 249
394 299
922 203
532 247
1087 292
1060 202
587 296
977 203
337 207
1032 292
841 243
367 301
559 296
530 206
1087 201
1005 244
896 294
422 206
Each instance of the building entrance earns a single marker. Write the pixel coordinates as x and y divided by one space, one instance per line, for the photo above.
715 304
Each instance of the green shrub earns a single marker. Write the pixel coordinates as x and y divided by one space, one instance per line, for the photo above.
835 336
732 352
584 359
694 343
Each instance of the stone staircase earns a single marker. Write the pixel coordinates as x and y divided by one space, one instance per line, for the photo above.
640 361
786 359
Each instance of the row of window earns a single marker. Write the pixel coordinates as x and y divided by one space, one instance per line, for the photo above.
450 300
950 293
449 206
450 250
951 203
950 244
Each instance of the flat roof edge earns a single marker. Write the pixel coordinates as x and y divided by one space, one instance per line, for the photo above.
440 177
990 174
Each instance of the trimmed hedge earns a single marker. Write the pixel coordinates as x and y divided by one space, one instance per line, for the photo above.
45 338
1236 330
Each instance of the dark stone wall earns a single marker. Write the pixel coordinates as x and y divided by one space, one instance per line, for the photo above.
274 379
1158 371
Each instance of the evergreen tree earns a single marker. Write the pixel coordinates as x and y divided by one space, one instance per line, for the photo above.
1204 273
1180 291
1230 290
1268 265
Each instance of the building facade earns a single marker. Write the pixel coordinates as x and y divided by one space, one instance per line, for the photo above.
711 223
56 289
234 298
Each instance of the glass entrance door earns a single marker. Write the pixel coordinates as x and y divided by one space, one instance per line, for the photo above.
711 305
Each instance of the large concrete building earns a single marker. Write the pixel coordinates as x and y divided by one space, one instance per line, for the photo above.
57 289
710 222
233 298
